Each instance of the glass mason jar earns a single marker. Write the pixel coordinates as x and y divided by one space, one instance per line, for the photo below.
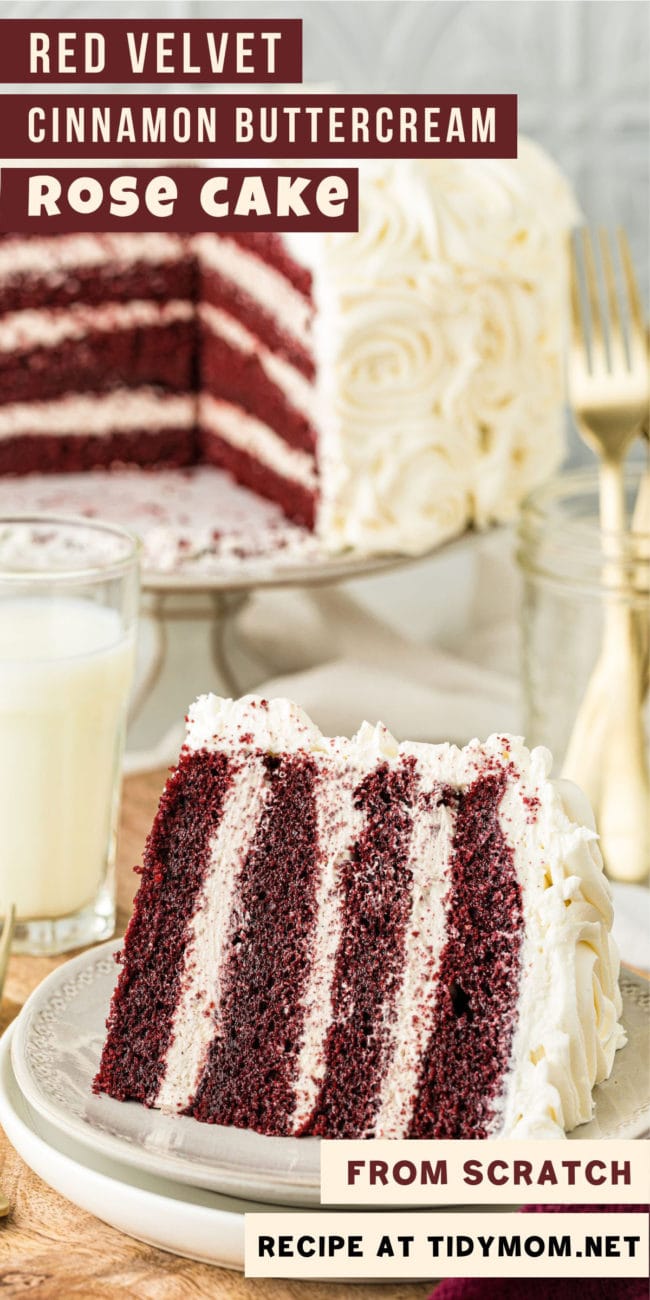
68 611
586 648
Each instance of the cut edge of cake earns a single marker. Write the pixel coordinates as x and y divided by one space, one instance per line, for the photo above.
495 954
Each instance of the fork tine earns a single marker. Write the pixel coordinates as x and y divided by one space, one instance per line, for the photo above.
598 353
577 316
636 329
578 330
617 352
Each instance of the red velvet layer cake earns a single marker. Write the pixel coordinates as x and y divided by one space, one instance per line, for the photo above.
257 407
101 335
385 388
355 938
97 352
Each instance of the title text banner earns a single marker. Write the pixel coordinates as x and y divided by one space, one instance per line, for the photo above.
112 49
61 200
251 127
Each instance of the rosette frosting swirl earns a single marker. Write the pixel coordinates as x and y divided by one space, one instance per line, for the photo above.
439 334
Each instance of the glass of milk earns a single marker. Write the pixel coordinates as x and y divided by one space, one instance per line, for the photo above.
68 610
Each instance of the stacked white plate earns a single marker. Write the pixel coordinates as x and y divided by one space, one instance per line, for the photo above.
170 1181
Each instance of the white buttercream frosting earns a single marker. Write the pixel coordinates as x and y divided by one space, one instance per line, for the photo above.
567 1018
298 390
439 336
193 1024
22 330
570 1006
267 287
259 440
339 823
63 255
251 723
98 414
430 864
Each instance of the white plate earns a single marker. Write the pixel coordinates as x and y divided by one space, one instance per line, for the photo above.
184 1220
55 1055
187 1221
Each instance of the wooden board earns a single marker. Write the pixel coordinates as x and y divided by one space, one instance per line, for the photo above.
50 1249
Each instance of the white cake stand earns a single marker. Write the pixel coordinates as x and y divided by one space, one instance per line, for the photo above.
207 546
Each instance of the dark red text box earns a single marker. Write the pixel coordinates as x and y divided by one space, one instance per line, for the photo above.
205 126
187 216
187 43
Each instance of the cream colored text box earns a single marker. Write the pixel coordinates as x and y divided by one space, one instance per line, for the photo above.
507 1172
348 1244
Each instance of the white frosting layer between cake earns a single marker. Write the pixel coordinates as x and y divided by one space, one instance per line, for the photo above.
21 330
339 825
193 1026
60 255
247 434
261 282
97 414
297 390
567 1018
429 860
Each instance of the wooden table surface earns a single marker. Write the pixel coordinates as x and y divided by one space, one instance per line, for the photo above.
52 1250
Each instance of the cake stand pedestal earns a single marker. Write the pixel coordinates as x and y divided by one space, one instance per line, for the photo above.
207 546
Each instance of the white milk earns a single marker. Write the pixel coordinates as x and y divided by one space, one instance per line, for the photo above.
65 670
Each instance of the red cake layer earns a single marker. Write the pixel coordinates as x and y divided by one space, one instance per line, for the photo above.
161 354
252 1061
74 452
175 863
240 377
177 357
271 248
99 284
475 1011
377 884
297 502
221 292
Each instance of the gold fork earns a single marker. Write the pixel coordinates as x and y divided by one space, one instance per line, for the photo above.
5 949
609 386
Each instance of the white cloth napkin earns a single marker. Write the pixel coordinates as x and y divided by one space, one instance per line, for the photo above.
431 650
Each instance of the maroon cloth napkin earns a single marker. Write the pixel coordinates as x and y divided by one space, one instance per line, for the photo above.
528 1288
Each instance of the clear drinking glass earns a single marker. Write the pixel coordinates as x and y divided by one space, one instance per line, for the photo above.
69 593
574 576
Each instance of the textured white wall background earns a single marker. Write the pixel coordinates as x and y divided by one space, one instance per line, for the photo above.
579 67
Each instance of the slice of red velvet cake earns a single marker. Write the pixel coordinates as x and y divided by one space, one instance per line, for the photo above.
359 938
